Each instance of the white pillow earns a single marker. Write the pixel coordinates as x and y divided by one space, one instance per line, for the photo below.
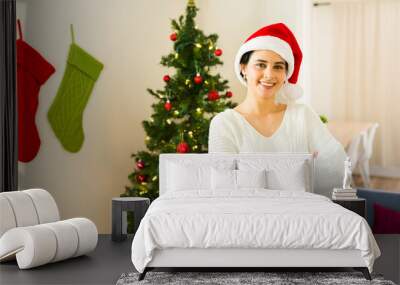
183 177
282 173
228 179
223 179
188 173
251 178
293 178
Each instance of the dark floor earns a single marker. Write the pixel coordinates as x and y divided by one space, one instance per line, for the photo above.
102 266
110 259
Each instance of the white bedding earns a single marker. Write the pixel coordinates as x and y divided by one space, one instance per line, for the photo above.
251 218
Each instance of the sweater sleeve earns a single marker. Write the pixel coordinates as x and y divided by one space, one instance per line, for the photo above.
220 136
329 166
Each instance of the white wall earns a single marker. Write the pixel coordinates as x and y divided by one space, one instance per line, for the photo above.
322 59
129 37
296 14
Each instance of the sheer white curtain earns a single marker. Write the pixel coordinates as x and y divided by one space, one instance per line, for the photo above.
364 70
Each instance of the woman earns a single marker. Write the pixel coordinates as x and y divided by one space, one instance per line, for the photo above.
270 119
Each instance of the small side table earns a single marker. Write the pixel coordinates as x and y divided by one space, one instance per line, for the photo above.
120 205
356 205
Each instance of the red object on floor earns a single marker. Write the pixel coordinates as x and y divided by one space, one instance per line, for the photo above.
32 72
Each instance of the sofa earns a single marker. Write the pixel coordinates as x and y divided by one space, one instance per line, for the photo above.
31 231
381 203
383 215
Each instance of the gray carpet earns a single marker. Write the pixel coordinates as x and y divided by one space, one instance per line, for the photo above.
229 278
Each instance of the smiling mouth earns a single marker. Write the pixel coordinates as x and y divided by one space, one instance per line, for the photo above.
267 84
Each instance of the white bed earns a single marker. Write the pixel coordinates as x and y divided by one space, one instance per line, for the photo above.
250 226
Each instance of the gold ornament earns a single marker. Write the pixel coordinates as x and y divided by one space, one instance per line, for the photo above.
154 178
191 3
206 82
176 112
199 110
152 120
210 47
147 138
176 55
195 147
169 122
187 81
190 134
198 45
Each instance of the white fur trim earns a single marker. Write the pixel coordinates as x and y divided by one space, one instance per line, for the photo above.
265 43
289 93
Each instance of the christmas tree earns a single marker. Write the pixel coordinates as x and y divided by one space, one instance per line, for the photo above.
185 106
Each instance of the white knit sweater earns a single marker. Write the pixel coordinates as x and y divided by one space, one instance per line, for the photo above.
301 130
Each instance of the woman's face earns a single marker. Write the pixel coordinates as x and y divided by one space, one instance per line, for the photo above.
265 73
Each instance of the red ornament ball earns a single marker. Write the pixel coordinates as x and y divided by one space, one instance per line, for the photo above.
213 95
141 178
218 52
140 164
182 147
198 79
167 106
166 78
173 37
228 94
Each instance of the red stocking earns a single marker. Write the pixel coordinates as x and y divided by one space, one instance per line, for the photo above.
32 72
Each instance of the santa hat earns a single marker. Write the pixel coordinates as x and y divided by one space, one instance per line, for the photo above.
277 38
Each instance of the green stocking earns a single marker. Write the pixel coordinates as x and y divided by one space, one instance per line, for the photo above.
66 112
